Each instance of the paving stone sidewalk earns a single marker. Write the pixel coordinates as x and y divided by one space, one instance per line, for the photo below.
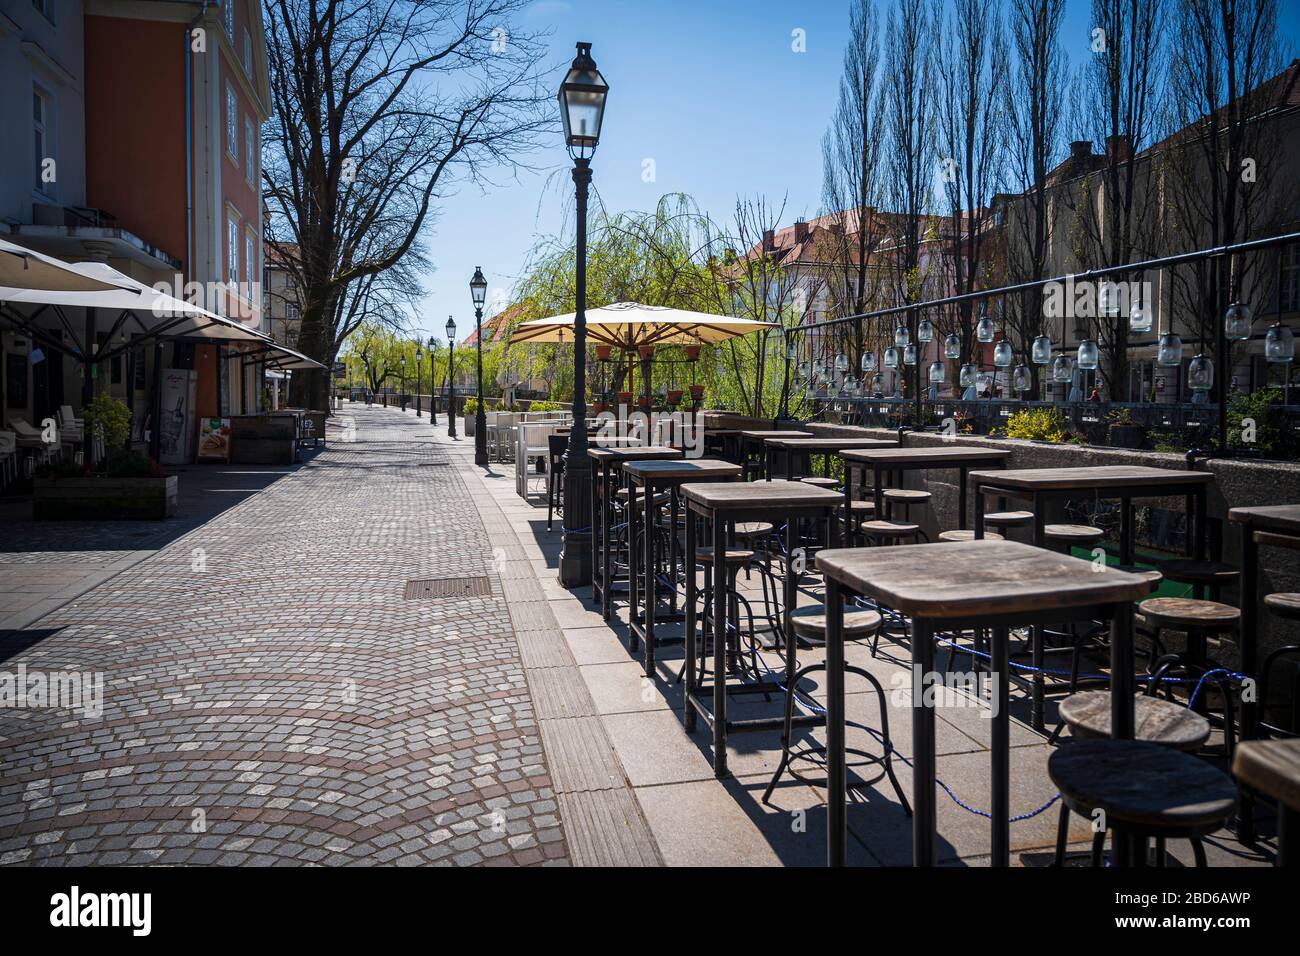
270 697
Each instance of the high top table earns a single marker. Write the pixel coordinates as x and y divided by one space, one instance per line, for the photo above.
996 585
723 504
1040 486
1273 767
652 475
1272 526
752 442
603 461
817 445
880 461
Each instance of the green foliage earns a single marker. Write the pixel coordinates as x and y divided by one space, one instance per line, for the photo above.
131 464
109 419
471 406
1273 438
545 406
1038 424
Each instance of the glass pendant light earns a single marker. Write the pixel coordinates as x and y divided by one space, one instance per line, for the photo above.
1041 352
1021 379
876 382
984 330
868 361
952 346
925 331
1061 370
1002 354
1139 318
1200 374
937 373
841 363
1169 353
1237 321
1108 298
902 336
792 353
1279 344
909 355
891 357
967 378
1088 354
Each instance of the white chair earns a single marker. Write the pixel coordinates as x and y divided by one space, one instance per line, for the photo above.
30 438
531 445
501 437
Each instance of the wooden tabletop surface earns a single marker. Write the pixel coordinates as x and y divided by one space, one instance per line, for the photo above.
959 579
1271 767
826 443
763 435
635 453
931 457
682 470
1090 477
725 495
1268 517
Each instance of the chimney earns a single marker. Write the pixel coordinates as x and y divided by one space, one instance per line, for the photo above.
769 240
1118 148
800 230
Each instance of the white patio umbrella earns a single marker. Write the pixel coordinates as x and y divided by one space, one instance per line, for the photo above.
23 268
630 325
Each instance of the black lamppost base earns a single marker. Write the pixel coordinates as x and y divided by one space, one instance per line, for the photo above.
575 552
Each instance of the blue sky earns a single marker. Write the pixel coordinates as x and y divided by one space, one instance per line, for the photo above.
710 90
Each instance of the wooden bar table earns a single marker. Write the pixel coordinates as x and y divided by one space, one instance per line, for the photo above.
651 476
994 585
723 504
1272 526
1041 486
728 440
752 444
604 458
817 445
1273 768
882 461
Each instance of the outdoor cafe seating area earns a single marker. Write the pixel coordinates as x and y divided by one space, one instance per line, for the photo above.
803 587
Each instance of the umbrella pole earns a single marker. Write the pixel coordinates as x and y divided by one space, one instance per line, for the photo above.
87 386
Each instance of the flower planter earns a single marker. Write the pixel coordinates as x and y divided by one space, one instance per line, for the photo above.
624 398
692 352
674 397
646 351
469 423
603 352
643 403
697 393
99 498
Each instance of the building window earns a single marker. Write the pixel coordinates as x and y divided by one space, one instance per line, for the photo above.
232 251
229 11
1291 278
250 149
248 53
250 261
45 8
41 145
232 124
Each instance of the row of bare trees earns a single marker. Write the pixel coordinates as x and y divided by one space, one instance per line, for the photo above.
946 168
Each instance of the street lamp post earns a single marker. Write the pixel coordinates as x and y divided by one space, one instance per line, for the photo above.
451 376
478 292
433 381
582 109
401 395
419 360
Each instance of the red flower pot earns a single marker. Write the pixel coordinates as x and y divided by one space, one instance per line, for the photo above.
674 396
697 392
692 352
646 351
602 352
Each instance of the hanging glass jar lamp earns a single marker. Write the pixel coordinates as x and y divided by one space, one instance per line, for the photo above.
1169 352
1139 317
868 362
967 378
1040 352
891 357
1022 379
925 331
909 355
952 346
1279 344
1088 354
1002 355
1061 370
984 328
841 363
902 336
1237 322
937 373
1200 374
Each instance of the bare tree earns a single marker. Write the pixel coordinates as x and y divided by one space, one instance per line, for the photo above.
379 109
972 147
1034 94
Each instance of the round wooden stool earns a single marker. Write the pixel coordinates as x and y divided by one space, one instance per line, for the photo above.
1284 604
885 531
857 512
745 530
967 535
1072 535
1143 789
732 556
821 482
1009 519
1154 720
904 498
1207 577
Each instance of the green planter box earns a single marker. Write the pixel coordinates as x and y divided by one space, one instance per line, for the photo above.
99 498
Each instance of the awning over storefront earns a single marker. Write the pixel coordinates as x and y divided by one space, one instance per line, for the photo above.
23 268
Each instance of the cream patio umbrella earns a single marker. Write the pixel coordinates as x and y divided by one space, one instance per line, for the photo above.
628 326
23 268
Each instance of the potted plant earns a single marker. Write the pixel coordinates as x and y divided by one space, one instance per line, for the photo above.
674 397
1124 431
692 352
697 393
624 398
643 402
470 411
603 352
646 351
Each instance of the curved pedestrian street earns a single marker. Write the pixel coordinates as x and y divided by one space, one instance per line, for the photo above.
271 696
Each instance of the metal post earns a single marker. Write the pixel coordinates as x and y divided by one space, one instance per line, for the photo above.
87 387
451 387
575 555
480 417
433 389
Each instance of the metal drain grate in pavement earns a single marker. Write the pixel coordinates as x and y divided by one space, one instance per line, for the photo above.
420 589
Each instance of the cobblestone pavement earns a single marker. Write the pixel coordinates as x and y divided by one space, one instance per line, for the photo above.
270 697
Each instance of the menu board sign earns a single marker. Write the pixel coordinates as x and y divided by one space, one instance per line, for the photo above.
214 439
